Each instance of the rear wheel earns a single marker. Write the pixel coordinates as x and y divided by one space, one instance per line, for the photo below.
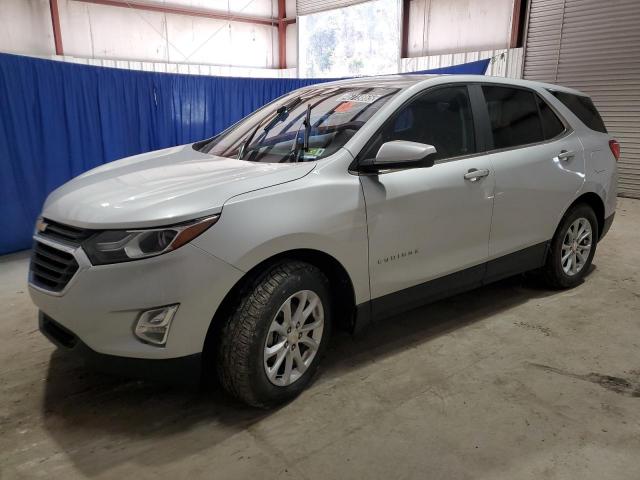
271 346
572 248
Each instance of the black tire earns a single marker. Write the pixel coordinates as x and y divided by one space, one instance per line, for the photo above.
240 362
553 273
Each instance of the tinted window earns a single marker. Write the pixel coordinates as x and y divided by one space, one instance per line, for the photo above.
551 125
441 118
583 108
514 116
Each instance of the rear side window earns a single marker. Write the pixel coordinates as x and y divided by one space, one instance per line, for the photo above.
514 116
583 108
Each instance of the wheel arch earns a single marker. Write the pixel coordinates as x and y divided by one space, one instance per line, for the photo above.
340 282
596 203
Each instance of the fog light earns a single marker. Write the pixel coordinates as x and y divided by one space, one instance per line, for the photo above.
153 325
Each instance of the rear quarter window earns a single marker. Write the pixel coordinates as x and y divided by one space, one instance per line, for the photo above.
583 108
552 126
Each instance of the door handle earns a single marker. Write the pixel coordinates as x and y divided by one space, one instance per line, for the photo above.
566 155
473 175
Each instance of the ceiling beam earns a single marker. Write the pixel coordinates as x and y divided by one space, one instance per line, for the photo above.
55 22
190 11
404 34
515 23
282 34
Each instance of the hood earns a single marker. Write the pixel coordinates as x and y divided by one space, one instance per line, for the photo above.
160 188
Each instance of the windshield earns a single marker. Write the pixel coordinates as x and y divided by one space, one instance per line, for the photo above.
306 125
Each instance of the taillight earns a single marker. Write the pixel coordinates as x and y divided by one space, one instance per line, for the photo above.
615 148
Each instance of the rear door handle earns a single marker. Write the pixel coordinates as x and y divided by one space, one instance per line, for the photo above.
566 155
473 175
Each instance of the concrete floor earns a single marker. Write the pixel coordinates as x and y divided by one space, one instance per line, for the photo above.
511 381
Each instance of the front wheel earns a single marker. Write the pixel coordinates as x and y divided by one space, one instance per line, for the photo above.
271 345
572 248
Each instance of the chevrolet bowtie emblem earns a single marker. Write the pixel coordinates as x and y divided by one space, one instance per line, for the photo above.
41 226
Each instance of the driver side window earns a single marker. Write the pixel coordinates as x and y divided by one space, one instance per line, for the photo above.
440 117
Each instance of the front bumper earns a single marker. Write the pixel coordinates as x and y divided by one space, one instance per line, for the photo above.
184 371
101 304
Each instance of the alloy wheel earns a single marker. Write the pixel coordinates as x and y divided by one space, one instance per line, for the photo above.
576 246
293 338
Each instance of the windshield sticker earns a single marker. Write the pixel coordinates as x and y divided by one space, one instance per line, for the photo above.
344 107
313 153
360 97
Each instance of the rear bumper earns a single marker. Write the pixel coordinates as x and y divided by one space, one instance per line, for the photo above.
607 225
185 371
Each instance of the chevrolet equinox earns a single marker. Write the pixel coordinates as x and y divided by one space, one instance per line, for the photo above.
337 204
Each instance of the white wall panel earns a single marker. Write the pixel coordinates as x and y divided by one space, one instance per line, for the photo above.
199 40
291 8
209 41
259 8
25 27
91 30
292 45
417 35
102 31
442 26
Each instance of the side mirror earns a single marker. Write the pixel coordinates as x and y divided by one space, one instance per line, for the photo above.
401 154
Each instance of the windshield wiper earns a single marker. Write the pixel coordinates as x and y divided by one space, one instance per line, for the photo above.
307 127
295 152
281 114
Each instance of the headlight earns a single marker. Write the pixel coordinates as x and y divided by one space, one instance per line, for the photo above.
114 246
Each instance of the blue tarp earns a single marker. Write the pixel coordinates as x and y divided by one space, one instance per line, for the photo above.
60 119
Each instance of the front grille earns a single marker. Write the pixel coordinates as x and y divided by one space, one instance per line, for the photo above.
66 233
51 268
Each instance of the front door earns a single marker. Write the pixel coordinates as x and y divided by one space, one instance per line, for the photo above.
429 223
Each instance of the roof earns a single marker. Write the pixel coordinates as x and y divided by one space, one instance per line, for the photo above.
394 81
403 81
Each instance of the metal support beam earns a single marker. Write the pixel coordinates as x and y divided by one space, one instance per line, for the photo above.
55 22
190 11
282 34
404 49
515 24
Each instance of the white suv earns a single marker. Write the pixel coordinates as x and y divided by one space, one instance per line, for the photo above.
337 204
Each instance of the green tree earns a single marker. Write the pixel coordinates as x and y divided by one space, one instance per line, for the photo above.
322 45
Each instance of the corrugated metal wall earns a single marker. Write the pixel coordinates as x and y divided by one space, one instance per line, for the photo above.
594 46
506 62
305 7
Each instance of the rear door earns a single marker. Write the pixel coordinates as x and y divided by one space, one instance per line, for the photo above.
539 167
